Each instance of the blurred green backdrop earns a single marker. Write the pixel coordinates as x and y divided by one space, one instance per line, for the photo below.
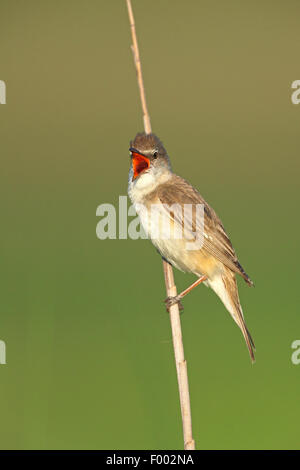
89 351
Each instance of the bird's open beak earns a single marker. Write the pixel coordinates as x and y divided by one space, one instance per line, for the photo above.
140 162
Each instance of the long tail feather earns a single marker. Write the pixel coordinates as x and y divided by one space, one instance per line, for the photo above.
225 286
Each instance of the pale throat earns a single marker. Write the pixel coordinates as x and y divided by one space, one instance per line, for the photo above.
146 183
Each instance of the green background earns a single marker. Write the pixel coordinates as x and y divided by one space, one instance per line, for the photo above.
89 351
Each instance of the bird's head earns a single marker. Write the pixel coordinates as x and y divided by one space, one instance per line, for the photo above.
148 155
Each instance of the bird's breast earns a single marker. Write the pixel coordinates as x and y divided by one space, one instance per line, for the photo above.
168 237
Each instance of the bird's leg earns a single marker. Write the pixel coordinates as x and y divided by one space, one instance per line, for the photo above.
191 287
176 300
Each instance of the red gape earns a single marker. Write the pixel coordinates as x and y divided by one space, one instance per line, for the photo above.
140 164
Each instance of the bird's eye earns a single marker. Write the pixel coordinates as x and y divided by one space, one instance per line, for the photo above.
155 154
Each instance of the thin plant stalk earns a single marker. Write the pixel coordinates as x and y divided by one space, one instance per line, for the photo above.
181 365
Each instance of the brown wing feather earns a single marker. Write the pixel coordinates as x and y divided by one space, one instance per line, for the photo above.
217 244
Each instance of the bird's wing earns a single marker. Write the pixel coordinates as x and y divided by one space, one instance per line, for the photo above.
215 240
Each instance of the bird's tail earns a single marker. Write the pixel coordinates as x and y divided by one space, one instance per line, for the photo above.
225 286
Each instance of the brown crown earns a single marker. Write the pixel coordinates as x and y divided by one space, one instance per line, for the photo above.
145 142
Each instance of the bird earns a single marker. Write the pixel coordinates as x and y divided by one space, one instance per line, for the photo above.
160 198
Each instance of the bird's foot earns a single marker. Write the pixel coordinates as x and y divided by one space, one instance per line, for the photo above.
172 301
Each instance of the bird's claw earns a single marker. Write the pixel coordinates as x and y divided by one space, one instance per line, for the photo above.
172 301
